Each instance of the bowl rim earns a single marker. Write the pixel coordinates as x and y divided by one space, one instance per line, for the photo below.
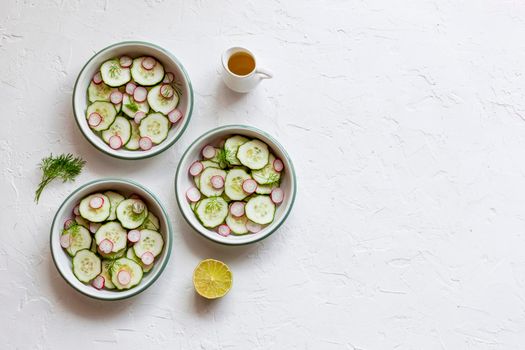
161 148
258 131
169 235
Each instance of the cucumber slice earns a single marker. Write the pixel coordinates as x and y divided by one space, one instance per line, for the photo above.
134 269
212 211
231 145
267 175
120 127
81 221
93 247
260 209
130 254
107 112
205 164
130 218
133 143
226 198
95 215
130 106
150 241
86 265
106 268
112 255
161 104
155 126
205 185
254 154
146 77
114 199
151 223
114 232
266 189
233 184
99 92
113 74
79 239
237 225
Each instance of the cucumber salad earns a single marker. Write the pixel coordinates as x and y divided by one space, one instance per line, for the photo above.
236 186
132 103
113 240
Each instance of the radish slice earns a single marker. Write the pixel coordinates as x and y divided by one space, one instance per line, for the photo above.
99 282
106 246
134 236
196 168
97 78
96 202
76 210
139 116
125 61
278 165
94 226
130 88
148 63
115 142
94 119
68 223
147 258
224 230
116 97
253 227
217 181
249 186
277 195
174 116
145 143
169 77
124 277
193 194
166 91
208 152
237 209
140 94
65 240
135 196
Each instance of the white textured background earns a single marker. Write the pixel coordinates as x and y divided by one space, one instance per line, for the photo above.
406 123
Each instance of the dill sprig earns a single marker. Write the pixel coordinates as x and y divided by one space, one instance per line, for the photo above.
65 167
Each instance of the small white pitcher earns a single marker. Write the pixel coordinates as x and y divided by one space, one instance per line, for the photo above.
242 83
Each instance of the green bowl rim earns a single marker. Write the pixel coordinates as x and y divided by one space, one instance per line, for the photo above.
140 287
187 119
256 130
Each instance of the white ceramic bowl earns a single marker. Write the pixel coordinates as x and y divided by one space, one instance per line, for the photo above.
63 260
183 181
133 49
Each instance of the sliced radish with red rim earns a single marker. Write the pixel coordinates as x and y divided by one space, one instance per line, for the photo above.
169 77
249 186
139 116
278 165
99 282
76 210
140 94
94 226
174 116
105 246
68 223
224 230
145 143
134 236
96 202
147 258
217 182
193 194
130 88
237 209
115 142
65 241
253 227
125 61
116 97
123 277
97 78
148 63
208 152
196 168
166 91
94 119
277 195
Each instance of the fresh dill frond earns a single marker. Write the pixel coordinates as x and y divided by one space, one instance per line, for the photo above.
65 167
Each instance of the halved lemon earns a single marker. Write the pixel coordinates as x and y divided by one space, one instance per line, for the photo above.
212 279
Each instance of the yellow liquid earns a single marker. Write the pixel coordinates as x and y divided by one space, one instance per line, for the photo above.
241 63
